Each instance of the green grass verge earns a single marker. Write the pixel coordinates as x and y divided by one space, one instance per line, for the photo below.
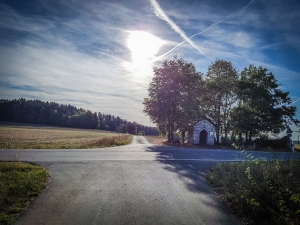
260 192
20 183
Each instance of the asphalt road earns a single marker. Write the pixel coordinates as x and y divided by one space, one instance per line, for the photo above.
135 184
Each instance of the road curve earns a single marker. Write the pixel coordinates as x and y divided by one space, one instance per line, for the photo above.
134 184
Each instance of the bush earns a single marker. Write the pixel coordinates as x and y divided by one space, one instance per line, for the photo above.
278 144
260 192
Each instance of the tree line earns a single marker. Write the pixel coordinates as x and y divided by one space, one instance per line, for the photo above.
51 113
240 105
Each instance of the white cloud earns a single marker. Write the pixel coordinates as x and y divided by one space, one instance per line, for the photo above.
76 53
62 75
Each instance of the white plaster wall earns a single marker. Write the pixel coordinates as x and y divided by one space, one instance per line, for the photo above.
204 125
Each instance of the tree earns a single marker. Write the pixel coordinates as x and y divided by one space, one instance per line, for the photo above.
131 128
221 81
264 102
173 101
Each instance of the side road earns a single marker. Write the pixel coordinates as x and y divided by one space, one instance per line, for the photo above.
135 184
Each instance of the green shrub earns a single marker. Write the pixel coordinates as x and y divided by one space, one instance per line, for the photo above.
265 143
260 192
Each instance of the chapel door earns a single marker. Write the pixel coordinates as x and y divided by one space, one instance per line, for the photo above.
203 137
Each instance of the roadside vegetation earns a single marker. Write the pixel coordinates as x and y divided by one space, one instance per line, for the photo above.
259 192
33 137
20 183
156 140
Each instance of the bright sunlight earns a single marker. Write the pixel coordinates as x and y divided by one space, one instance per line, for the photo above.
143 46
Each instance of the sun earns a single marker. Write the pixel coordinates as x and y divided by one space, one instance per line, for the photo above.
143 47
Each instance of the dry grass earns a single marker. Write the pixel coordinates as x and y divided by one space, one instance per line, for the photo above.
156 140
37 137
163 140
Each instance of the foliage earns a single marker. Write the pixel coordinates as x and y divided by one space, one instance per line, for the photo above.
260 192
242 105
39 112
265 142
174 96
262 105
221 95
20 182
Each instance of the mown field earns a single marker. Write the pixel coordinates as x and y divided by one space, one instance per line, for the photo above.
42 137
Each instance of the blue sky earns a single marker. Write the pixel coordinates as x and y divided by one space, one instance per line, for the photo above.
98 55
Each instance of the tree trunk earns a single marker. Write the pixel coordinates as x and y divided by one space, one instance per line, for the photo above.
169 133
218 131
183 135
250 135
172 133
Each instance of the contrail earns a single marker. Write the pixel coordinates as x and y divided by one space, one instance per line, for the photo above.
216 23
294 101
160 13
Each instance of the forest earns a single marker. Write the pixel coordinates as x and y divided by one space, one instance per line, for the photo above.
63 115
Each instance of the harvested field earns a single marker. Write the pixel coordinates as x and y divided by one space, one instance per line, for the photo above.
39 137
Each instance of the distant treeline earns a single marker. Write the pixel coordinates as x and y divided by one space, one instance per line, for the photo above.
51 113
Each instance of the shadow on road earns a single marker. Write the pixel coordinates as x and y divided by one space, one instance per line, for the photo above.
192 174
184 164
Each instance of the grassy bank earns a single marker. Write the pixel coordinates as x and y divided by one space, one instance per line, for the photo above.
260 192
20 182
38 137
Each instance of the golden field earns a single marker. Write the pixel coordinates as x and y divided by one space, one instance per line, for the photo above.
43 137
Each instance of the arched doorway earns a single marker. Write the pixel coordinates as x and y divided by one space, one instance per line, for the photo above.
203 137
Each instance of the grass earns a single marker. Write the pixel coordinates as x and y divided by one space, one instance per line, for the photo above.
38 137
260 192
20 182
156 140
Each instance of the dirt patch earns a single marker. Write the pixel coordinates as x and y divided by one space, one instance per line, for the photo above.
156 140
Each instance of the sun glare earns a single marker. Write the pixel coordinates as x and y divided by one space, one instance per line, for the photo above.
143 46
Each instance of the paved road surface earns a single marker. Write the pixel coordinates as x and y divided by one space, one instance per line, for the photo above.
135 184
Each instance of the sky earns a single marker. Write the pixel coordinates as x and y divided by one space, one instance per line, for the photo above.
100 54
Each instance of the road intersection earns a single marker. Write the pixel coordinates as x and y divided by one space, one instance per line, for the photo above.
135 184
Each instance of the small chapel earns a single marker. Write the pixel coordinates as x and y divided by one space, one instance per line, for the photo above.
204 133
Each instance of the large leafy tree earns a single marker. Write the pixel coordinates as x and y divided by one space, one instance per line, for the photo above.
174 96
221 80
262 107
